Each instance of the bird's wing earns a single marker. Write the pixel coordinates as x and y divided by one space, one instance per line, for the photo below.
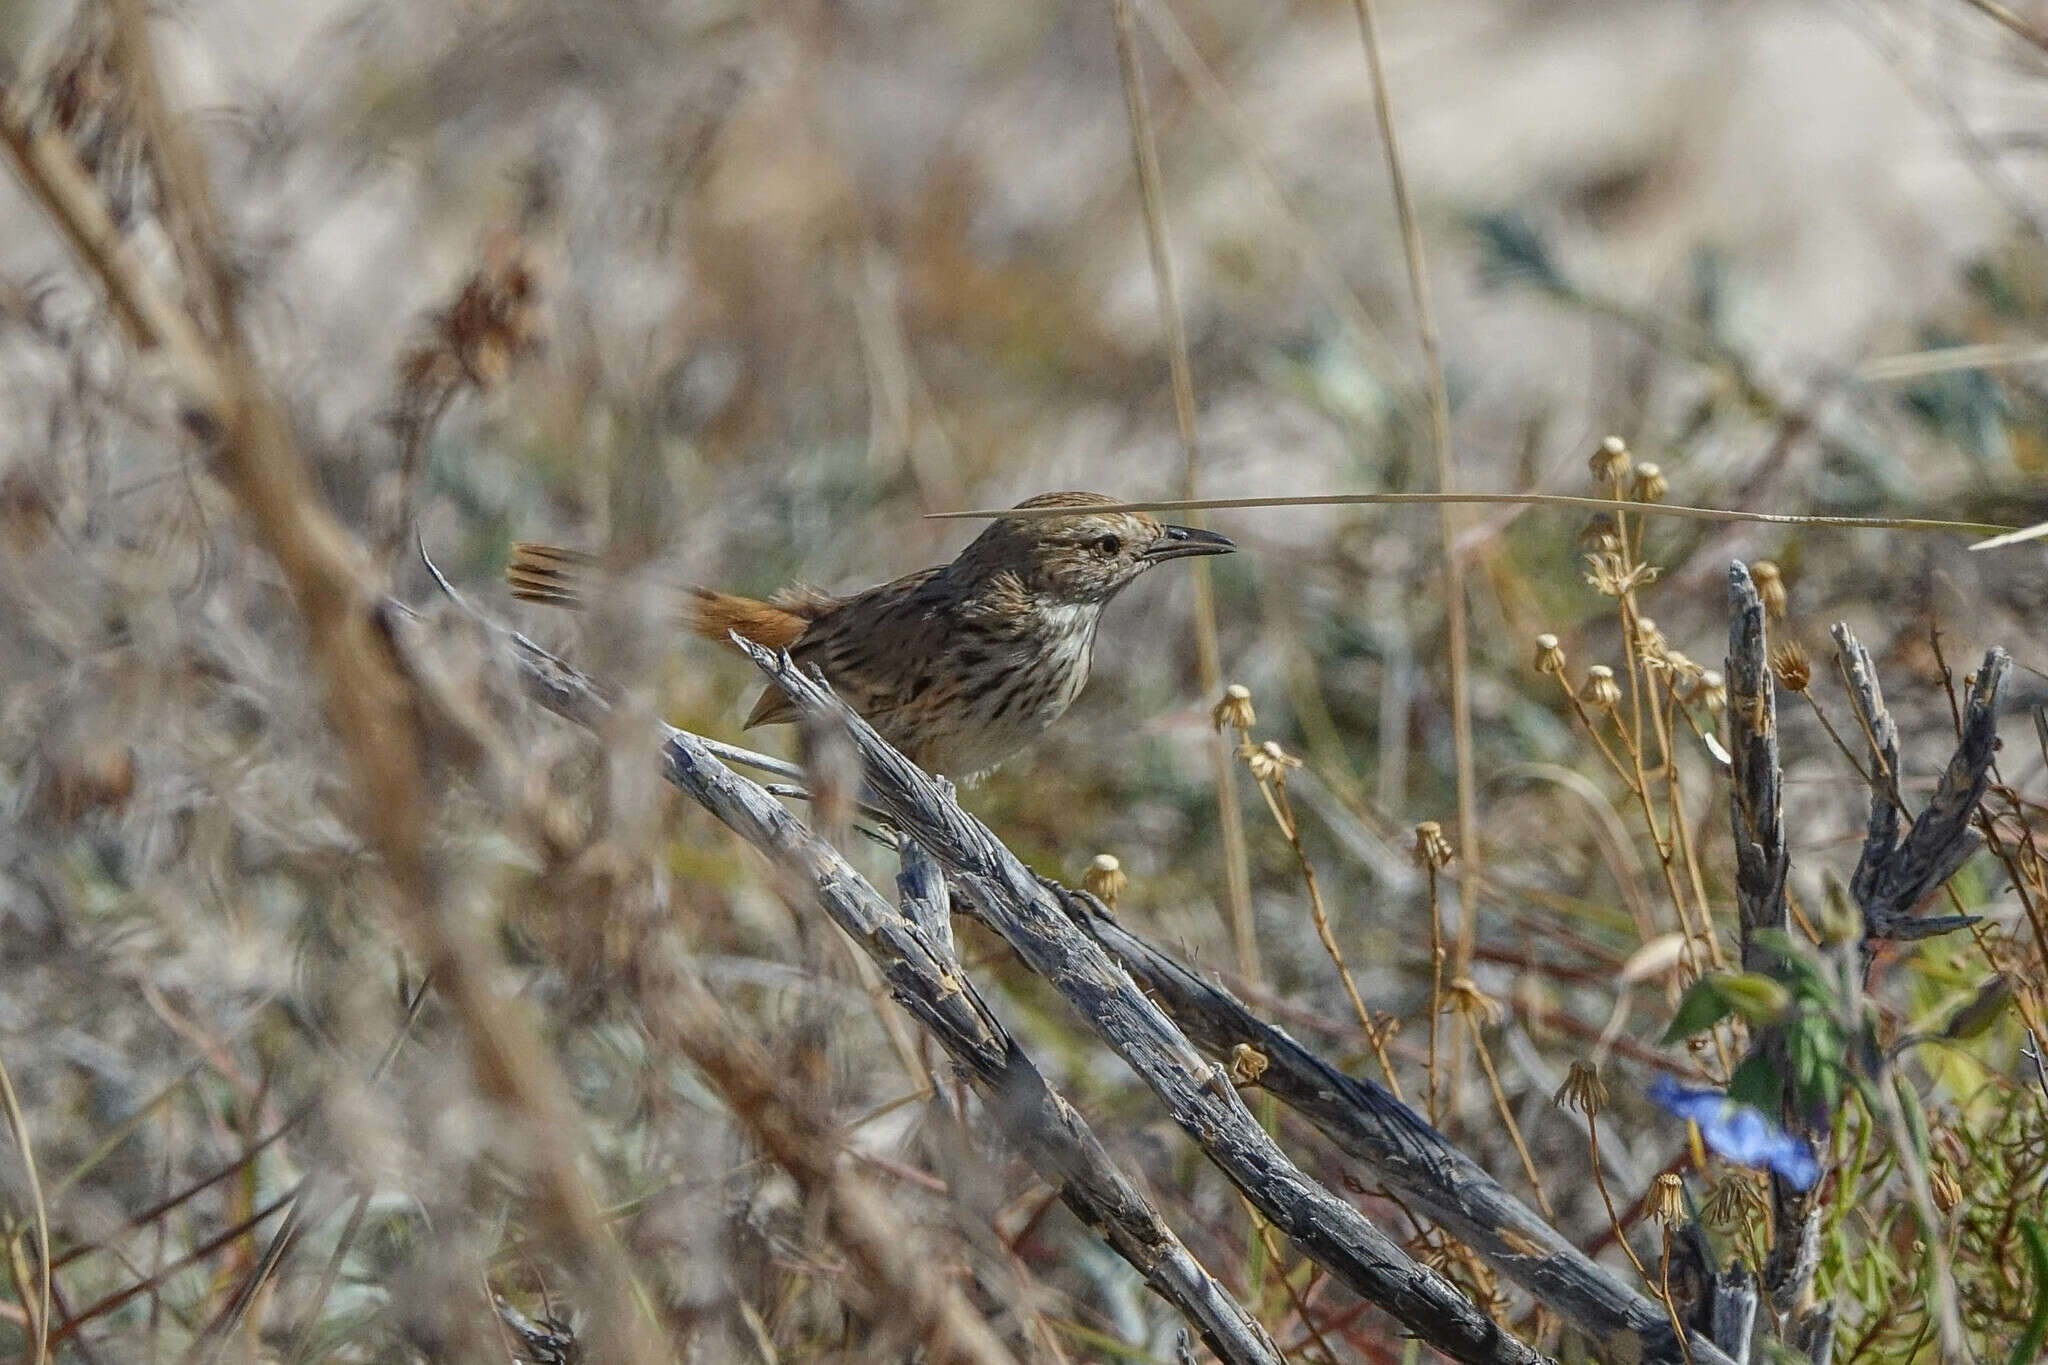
860 643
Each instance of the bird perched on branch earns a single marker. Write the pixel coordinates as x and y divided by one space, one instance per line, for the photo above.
958 666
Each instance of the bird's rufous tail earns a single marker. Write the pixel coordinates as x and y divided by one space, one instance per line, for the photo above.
561 577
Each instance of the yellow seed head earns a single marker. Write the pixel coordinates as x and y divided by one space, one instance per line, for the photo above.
1269 762
1549 654
1736 1204
1247 1064
1611 575
1583 1090
1600 535
1600 691
1649 484
1610 463
1685 674
1234 712
1431 848
1770 587
1475 1004
1792 668
1946 1189
1105 879
1712 692
1667 1201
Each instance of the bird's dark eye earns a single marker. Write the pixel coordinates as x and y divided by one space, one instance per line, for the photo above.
1108 544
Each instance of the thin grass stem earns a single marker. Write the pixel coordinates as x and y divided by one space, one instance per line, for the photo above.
1208 655
1470 868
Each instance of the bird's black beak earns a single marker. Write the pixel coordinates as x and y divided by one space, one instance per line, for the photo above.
1180 542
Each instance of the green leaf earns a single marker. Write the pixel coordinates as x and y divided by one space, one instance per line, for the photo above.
1794 968
1757 1082
1828 1091
1702 1007
1916 1119
1981 1011
1754 996
1866 1090
2028 1347
1805 1056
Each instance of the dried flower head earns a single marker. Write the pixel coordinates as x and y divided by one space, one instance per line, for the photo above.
1649 484
1770 587
1583 1091
1549 654
1711 691
1105 879
1649 639
1735 1204
1611 576
1667 1201
1234 712
1600 691
497 317
1269 762
1679 668
1600 535
493 322
1431 848
1475 1004
1791 667
1946 1189
1247 1064
1610 463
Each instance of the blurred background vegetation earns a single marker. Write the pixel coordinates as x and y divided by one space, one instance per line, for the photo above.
793 276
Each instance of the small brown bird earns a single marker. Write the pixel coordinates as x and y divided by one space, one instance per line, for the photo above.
958 666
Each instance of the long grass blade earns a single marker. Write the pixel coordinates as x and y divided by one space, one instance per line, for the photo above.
1682 511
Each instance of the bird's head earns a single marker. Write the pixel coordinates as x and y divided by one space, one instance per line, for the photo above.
1086 558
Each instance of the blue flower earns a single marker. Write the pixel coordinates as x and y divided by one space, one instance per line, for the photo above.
1739 1132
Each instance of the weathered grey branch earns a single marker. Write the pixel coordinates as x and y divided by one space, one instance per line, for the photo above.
1732 1313
1007 897
1894 873
1881 733
1756 797
1719 1303
925 977
1418 1163
921 890
927 981
1362 1118
1756 813
1813 1334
